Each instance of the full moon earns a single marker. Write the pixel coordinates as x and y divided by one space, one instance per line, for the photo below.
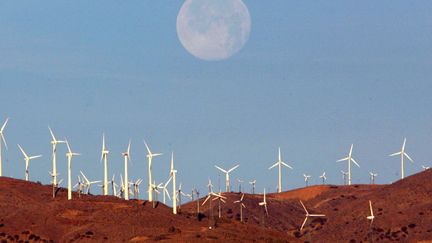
213 29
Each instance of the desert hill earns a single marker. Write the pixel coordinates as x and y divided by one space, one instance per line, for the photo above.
403 212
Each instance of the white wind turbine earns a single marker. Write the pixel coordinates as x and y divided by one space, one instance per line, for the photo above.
425 167
80 185
264 203
306 179
88 183
173 175
227 180
253 185
165 190
240 181
2 140
372 177
27 159
210 186
308 215
126 156
402 155
69 156
220 198
371 217
323 177
241 204
104 157
279 163
150 156
349 159
54 143
344 174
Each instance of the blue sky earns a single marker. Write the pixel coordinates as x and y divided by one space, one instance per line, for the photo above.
314 77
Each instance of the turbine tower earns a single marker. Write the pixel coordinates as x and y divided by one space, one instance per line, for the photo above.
2 140
227 181
27 159
402 155
372 177
104 157
349 159
54 143
173 175
150 156
126 156
69 156
279 163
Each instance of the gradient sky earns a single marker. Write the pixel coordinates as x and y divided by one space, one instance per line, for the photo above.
314 77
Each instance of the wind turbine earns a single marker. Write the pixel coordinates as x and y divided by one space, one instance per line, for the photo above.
372 177
253 185
371 217
54 143
150 156
349 159
69 156
308 215
220 198
241 204
104 157
264 203
80 186
126 156
113 186
323 177
165 190
344 174
210 186
4 140
173 175
136 187
227 181
425 167
402 155
240 181
279 163
88 183
27 159
306 179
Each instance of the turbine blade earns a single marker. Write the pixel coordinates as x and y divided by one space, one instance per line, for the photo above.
344 159
36 156
271 167
408 157
287 165
355 162
233 168
304 222
4 125
4 140
147 147
52 134
398 153
22 151
219 168
370 206
304 207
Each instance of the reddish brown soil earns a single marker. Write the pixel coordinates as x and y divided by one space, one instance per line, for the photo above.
403 213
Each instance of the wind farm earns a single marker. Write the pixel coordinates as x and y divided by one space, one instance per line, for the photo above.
216 121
